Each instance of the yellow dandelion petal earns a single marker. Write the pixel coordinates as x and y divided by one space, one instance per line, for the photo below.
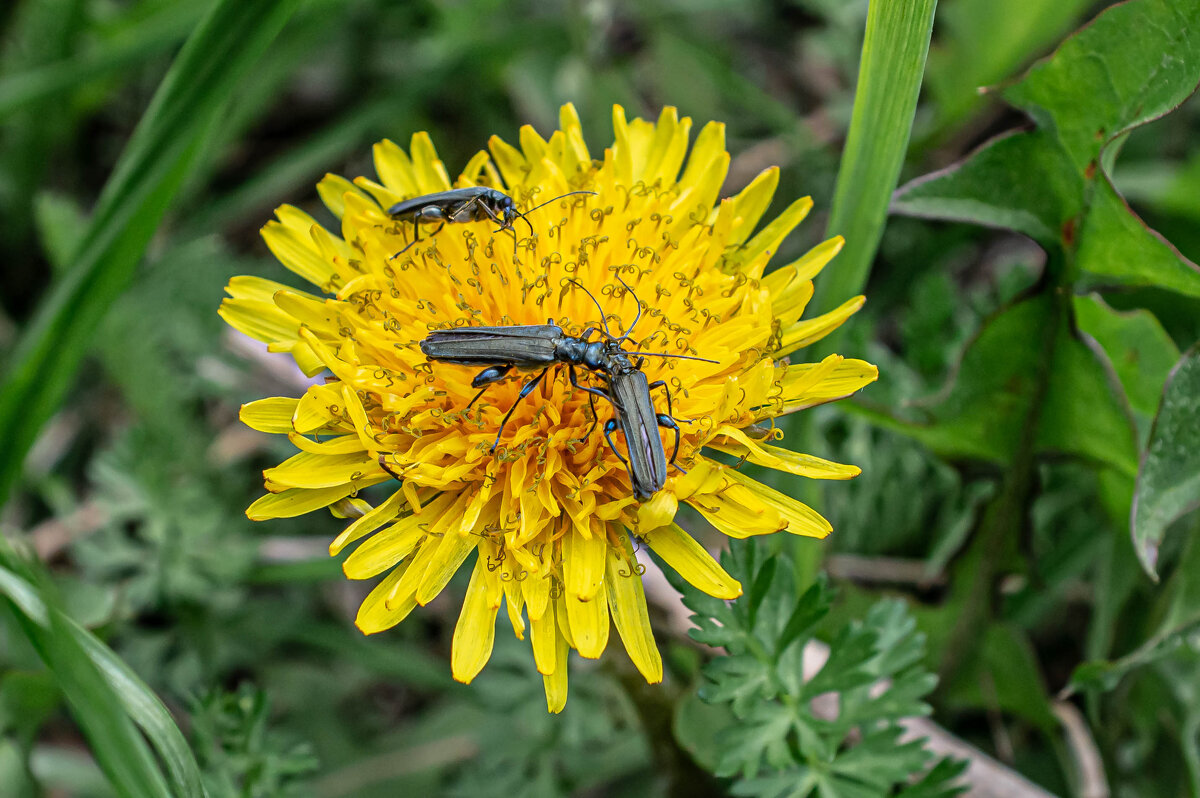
430 172
791 286
341 444
475 631
544 638
452 550
394 168
292 244
262 321
595 268
753 258
307 470
752 203
707 152
585 623
680 550
555 682
269 415
627 603
811 384
376 613
735 442
583 563
803 333
298 501
385 548
658 511
351 507
514 601
333 190
536 588
743 496
318 409
366 524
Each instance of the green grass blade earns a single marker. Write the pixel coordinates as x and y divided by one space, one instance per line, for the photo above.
147 711
889 80
119 748
161 153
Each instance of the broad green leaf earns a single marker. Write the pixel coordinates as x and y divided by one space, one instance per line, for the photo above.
1116 248
1136 62
995 187
995 394
1168 482
1139 348
159 156
885 100
981 42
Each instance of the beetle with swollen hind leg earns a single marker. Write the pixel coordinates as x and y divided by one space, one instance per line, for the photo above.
461 205
540 346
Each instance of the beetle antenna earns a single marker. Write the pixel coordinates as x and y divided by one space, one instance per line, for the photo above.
639 309
553 199
681 357
603 321
547 202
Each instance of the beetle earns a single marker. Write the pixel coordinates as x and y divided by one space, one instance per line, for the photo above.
461 205
541 346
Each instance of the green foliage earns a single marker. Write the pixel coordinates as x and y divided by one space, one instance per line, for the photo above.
1169 481
1071 208
525 751
1100 84
1020 394
241 755
164 540
893 61
1001 383
105 696
157 161
833 733
982 43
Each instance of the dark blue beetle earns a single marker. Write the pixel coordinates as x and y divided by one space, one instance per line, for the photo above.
460 205
540 346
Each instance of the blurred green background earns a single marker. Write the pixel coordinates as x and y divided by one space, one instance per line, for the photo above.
134 492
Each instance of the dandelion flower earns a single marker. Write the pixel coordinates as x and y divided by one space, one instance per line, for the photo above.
550 514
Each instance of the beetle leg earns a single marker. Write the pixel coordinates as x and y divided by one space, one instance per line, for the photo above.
491 375
666 421
487 378
503 226
424 215
525 391
609 426
592 394
595 418
663 384
462 212
594 391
